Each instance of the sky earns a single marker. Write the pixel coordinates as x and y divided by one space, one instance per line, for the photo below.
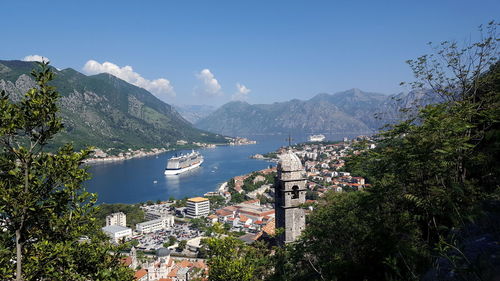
212 52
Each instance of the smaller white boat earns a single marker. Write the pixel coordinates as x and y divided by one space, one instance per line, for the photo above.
317 138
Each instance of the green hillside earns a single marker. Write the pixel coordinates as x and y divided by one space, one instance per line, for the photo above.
105 111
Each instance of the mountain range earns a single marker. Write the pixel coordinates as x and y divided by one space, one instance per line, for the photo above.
349 112
194 113
104 111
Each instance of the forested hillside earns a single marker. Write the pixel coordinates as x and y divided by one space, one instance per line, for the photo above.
104 111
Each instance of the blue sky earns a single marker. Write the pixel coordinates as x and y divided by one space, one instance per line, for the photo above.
210 52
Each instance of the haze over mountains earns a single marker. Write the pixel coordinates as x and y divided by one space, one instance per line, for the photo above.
104 111
194 113
349 112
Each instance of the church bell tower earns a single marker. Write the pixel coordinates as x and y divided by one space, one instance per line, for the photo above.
290 193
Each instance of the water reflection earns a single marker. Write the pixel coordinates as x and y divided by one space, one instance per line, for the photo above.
173 182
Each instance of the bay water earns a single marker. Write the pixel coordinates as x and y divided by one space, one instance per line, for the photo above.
142 179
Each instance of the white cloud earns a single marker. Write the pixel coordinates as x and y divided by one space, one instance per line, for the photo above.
160 87
36 58
211 86
241 92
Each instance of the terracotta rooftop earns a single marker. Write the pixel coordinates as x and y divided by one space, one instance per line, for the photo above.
185 263
140 273
270 227
223 213
251 201
173 273
199 264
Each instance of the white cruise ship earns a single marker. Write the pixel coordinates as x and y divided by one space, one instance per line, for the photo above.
183 163
317 138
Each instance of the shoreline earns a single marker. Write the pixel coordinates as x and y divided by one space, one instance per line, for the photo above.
127 156
132 154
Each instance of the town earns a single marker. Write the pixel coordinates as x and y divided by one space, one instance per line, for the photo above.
168 243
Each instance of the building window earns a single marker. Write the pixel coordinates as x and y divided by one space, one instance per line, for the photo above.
295 192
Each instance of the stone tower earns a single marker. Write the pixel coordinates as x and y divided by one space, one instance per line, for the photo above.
290 193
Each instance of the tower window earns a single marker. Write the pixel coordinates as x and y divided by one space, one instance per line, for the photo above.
295 192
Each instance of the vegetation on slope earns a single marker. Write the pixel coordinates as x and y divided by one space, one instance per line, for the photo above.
433 210
133 212
106 112
48 227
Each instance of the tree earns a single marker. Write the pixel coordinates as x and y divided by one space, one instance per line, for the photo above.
172 240
231 183
198 223
312 195
237 197
216 201
49 229
182 245
438 165
134 213
230 259
431 177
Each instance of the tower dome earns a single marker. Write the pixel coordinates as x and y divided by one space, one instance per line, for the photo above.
162 252
289 162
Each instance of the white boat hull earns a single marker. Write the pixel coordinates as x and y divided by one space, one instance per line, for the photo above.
183 170
317 138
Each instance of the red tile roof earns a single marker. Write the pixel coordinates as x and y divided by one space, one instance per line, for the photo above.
223 213
230 208
251 201
270 227
185 263
140 273
199 264
173 272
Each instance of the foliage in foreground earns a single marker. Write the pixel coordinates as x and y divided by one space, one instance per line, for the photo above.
48 228
434 182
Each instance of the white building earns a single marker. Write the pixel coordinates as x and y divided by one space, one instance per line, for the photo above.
154 215
116 219
198 207
117 232
155 225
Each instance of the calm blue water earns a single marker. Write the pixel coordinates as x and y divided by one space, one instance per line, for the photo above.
132 181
